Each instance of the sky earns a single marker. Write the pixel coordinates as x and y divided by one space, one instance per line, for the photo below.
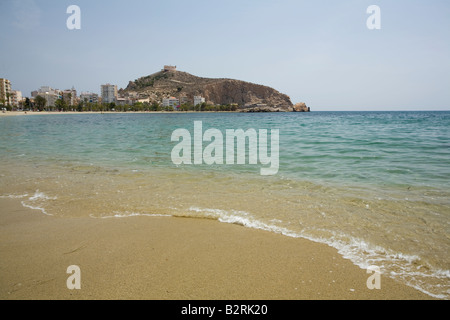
320 52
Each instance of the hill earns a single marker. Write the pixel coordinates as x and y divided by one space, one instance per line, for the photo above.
247 96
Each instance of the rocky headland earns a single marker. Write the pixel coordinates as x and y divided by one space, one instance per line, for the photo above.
246 96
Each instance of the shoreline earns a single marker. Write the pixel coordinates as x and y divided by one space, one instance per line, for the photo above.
168 258
35 113
31 113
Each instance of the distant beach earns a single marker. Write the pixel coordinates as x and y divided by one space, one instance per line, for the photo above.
26 113
30 113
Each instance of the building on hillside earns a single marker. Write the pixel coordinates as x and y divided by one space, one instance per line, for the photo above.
198 100
5 91
143 100
169 68
171 102
109 93
184 100
120 101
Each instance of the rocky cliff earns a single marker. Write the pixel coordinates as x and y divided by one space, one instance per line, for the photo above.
248 96
301 107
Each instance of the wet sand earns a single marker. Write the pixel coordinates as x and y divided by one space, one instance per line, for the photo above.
166 258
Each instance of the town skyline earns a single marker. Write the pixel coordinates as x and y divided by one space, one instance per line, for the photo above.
54 99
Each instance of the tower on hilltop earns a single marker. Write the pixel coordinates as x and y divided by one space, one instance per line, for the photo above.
170 68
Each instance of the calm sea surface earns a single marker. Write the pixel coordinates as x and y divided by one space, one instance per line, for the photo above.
374 185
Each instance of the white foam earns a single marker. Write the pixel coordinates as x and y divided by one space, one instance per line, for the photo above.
41 196
38 196
244 219
218 212
129 215
14 196
36 208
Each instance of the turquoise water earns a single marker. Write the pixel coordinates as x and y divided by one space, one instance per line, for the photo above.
375 185
379 148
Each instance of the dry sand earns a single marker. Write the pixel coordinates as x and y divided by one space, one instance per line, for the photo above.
166 258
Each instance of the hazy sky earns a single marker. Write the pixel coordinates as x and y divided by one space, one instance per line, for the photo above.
319 52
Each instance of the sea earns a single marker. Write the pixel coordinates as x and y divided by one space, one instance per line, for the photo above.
373 185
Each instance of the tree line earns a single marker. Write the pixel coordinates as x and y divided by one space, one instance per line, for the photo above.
40 104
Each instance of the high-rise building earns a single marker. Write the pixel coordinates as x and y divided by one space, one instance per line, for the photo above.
109 93
70 96
16 98
5 91
51 95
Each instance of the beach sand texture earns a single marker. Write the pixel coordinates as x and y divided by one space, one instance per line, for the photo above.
167 258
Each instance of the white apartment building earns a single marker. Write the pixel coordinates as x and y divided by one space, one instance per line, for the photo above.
109 93
48 89
171 102
88 97
198 100
16 98
45 89
50 98
51 95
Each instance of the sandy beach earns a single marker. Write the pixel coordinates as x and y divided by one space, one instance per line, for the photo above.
31 113
166 258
